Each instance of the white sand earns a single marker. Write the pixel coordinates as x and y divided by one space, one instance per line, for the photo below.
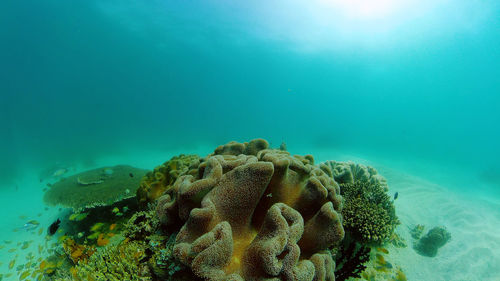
472 219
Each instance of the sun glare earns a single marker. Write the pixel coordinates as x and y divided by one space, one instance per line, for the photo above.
363 9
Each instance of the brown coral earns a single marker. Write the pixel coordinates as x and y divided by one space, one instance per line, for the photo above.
252 213
154 183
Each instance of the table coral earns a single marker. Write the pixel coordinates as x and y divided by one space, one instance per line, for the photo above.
154 183
97 187
253 213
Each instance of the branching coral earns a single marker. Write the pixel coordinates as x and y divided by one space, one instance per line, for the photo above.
252 213
141 225
154 183
113 263
350 172
369 214
98 187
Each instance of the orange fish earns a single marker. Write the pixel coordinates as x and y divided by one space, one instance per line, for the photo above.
111 227
101 241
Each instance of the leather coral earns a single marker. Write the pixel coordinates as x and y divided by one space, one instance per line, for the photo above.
253 213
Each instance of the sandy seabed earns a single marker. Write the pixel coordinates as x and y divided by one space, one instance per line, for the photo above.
472 218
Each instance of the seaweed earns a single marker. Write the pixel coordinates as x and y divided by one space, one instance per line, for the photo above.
350 259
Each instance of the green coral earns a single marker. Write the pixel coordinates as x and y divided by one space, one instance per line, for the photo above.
163 261
417 231
117 262
369 215
141 225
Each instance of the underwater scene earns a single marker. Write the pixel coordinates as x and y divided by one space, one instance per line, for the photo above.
218 140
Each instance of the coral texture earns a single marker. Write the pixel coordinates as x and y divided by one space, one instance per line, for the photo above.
141 225
369 214
429 244
350 172
98 187
154 183
252 213
118 262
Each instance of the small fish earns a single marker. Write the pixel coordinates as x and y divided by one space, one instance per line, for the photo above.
53 227
94 235
270 195
131 175
39 214
30 225
96 226
115 210
73 216
283 146
80 234
81 216
113 226
2 246
43 265
119 214
25 246
7 241
125 209
23 217
396 195
12 250
40 249
60 172
40 231
12 263
46 208
383 250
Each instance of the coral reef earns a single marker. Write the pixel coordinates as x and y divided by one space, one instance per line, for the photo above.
141 225
77 252
429 244
253 213
117 262
369 214
350 172
98 187
154 183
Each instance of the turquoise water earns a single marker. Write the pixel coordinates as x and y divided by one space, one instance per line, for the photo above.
412 86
